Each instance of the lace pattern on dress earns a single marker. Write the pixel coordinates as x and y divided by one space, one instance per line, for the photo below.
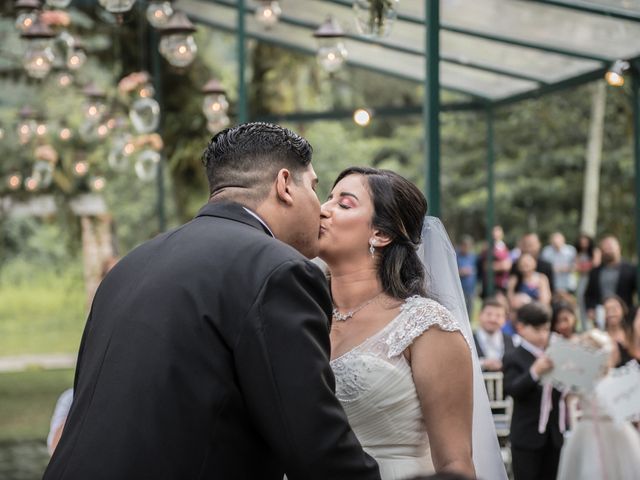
418 314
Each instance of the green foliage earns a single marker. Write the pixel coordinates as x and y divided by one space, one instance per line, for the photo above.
28 400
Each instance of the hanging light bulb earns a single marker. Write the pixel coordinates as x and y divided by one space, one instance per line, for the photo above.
145 111
117 6
177 44
94 106
268 12
331 51
159 13
80 168
615 75
28 11
14 180
64 79
76 56
31 184
97 184
362 117
43 173
374 18
120 153
41 128
38 58
65 134
146 166
215 106
26 124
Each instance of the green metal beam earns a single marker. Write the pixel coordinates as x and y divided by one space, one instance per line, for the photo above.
595 8
491 189
432 105
377 112
243 112
635 89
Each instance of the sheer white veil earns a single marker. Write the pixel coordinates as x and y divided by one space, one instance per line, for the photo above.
443 285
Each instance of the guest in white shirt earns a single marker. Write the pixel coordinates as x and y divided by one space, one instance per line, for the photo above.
491 342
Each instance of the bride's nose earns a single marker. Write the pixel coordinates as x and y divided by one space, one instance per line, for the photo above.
325 211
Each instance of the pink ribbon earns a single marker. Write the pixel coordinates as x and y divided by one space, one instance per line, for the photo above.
546 405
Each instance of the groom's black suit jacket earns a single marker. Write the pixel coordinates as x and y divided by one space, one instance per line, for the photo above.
206 356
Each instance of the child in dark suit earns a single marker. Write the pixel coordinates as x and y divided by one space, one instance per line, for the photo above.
535 455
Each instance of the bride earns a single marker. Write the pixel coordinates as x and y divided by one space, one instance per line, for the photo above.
403 361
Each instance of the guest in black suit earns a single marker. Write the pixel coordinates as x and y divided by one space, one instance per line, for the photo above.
535 455
492 344
530 243
614 276
206 352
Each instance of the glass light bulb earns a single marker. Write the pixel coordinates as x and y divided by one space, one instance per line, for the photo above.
146 166
145 115
214 125
179 49
159 13
121 150
76 59
41 129
117 6
362 117
65 134
374 18
81 168
25 20
97 184
331 55
65 79
25 131
43 173
14 181
94 109
38 59
31 184
214 105
268 13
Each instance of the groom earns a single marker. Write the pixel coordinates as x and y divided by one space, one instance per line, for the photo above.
205 355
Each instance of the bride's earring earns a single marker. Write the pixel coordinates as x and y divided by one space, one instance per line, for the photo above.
372 249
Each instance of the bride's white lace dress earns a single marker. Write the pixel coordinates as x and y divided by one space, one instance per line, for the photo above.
375 386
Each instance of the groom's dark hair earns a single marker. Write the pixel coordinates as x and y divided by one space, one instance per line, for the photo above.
246 158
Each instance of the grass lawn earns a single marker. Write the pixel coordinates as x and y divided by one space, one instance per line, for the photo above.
27 400
41 311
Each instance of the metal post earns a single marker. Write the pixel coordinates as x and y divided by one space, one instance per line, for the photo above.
242 87
635 88
491 188
432 105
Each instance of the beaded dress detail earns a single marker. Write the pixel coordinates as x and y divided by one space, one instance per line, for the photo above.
375 386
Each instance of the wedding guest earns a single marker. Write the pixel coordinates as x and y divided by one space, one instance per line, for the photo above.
513 305
501 263
492 344
562 258
530 243
535 444
632 329
528 280
614 276
588 257
564 320
467 269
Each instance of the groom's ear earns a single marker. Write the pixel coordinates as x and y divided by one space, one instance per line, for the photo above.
284 179
381 238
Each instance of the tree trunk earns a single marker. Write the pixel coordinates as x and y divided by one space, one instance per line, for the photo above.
590 193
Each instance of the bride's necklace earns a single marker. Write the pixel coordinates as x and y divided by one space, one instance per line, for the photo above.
341 317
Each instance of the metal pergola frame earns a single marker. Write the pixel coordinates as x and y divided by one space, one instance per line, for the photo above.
431 107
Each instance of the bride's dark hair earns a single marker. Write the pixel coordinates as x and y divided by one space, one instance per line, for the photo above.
399 208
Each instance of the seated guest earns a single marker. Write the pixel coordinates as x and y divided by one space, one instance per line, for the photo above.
514 304
564 320
491 342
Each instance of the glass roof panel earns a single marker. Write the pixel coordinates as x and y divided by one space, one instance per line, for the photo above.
539 24
631 6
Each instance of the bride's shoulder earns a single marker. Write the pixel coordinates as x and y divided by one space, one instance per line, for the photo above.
417 315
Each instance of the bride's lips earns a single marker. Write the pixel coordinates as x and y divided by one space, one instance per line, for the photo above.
322 231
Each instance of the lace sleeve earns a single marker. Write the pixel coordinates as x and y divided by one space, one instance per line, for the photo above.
418 315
